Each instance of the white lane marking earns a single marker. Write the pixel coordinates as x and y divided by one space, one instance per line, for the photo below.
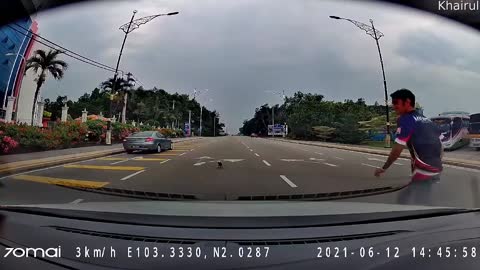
77 201
330 164
56 166
131 175
266 163
317 159
121 161
251 150
164 161
291 160
368 165
257 155
232 160
199 163
191 150
462 168
383 160
204 157
318 153
339 158
182 154
290 183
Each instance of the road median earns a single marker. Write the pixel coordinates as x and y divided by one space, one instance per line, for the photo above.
60 159
472 164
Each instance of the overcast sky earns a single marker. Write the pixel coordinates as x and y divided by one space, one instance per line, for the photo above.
239 49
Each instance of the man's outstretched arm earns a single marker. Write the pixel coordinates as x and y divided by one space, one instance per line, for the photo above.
394 155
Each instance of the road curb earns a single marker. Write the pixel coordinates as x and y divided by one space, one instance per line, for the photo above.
28 165
446 161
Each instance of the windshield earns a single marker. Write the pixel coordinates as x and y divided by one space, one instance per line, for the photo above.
272 100
142 134
443 124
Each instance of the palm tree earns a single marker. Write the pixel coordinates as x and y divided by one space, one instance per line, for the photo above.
46 63
122 86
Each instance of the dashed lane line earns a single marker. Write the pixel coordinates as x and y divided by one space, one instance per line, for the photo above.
257 155
164 161
266 163
290 183
77 201
330 164
369 165
131 175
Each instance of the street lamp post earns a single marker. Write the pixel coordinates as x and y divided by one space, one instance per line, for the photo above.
376 35
127 29
195 92
273 111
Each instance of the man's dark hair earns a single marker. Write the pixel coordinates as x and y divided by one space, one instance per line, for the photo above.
404 94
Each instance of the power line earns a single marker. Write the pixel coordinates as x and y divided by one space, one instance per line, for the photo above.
90 62
63 48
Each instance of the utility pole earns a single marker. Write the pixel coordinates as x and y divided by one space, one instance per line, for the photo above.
173 109
201 110
273 122
190 123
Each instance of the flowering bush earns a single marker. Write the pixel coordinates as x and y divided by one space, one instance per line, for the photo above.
7 144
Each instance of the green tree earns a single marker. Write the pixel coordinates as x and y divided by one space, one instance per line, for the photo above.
44 63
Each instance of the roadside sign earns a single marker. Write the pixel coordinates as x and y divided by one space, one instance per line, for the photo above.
277 130
187 129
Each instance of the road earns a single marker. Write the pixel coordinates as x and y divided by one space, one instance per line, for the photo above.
252 168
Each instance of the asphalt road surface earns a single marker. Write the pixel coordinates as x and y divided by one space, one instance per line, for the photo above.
252 168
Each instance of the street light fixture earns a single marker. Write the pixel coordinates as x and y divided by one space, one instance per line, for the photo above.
376 35
127 29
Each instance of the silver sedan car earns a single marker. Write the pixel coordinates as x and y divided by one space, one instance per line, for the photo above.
147 140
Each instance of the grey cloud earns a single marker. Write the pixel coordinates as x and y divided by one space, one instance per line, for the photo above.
240 48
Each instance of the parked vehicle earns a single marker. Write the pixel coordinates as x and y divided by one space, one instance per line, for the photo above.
147 141
474 131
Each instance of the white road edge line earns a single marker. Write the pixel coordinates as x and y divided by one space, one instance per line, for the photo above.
368 165
290 183
77 201
330 164
257 155
266 163
131 175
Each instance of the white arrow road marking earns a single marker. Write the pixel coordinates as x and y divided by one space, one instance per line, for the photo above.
199 163
266 163
330 164
291 160
290 183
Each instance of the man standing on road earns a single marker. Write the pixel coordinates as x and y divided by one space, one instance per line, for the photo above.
420 135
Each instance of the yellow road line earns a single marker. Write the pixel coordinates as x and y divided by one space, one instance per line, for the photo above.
61 181
150 159
113 158
95 167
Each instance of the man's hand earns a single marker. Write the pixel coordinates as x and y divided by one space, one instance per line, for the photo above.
379 171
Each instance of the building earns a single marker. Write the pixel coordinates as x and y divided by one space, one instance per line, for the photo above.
15 47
